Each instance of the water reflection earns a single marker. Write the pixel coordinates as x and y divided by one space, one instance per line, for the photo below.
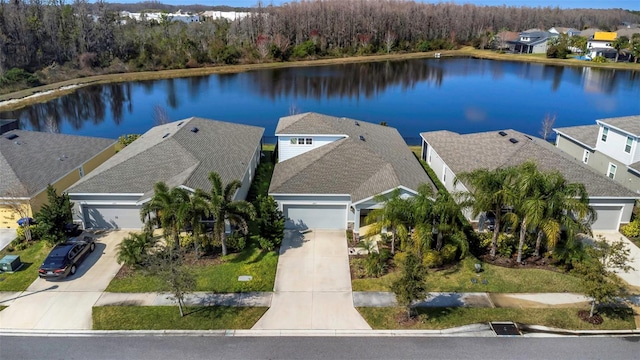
123 104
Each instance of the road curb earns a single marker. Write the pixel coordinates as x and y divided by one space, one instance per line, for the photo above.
473 330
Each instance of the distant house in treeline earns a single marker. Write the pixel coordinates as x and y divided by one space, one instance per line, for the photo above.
532 41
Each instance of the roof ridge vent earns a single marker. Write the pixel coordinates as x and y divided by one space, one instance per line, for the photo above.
502 133
165 135
180 123
194 129
513 140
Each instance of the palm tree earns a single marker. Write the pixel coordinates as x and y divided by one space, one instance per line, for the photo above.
566 208
193 215
170 206
620 44
395 214
224 208
528 200
488 191
445 214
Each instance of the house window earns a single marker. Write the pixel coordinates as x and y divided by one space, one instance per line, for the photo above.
300 141
612 171
627 147
585 157
444 175
605 132
309 141
294 141
81 171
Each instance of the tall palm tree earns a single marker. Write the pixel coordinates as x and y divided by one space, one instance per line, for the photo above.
170 206
566 208
395 214
445 214
193 214
488 191
528 200
224 208
620 43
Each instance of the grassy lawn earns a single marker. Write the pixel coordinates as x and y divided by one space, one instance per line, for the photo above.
443 318
31 258
500 280
168 317
2 307
219 278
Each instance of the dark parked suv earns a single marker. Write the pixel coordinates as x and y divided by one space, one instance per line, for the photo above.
65 258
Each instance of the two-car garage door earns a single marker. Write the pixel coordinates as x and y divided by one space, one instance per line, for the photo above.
608 217
112 216
315 216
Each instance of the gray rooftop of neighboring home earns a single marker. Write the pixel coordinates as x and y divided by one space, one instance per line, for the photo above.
360 168
629 124
585 134
177 155
32 160
490 150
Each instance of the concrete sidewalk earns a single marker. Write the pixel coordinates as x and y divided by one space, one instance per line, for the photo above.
249 299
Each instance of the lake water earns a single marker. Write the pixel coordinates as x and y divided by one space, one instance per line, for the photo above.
458 94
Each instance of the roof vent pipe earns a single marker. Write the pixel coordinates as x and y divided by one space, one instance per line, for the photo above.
513 141
362 138
194 129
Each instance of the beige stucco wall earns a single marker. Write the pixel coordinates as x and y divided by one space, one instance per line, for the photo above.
8 217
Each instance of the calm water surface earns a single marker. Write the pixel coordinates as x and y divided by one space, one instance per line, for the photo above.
459 94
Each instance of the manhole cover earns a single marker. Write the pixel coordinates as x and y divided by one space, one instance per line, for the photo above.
505 328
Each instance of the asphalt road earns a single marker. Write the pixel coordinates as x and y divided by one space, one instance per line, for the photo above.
325 348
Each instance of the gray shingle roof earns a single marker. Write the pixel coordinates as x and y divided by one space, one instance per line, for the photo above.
490 150
182 157
362 169
586 134
630 124
34 159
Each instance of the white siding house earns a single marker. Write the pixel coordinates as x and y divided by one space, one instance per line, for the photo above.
330 169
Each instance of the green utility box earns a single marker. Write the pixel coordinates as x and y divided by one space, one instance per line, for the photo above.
10 263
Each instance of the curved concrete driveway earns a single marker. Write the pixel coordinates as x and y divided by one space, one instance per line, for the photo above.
313 284
66 303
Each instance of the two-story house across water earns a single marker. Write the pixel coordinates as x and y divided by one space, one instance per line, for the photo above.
611 147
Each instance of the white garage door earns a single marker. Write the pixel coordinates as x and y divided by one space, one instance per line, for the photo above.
608 217
112 217
315 216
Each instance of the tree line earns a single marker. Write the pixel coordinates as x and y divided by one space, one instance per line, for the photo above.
38 36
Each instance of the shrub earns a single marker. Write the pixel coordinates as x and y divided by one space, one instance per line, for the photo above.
448 253
307 48
127 139
632 229
20 232
507 244
599 59
134 249
400 258
236 241
375 264
432 259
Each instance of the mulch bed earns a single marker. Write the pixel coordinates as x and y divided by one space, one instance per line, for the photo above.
528 263
596 319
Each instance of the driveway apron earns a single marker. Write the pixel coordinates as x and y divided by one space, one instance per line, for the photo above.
66 303
313 284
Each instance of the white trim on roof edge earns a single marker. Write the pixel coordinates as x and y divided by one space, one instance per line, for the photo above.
285 194
614 197
295 134
633 170
386 192
602 123
573 139
106 194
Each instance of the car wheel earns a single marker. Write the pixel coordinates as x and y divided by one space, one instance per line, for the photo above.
92 247
73 270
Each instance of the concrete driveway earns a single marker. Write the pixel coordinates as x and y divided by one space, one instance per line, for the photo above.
313 284
66 303
632 277
6 237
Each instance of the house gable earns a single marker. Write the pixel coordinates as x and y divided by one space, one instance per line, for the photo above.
290 146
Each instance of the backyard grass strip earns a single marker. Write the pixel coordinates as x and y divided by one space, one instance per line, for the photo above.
444 318
31 258
168 317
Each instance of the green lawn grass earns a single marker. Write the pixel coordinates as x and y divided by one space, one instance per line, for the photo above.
168 317
219 278
32 258
500 280
444 318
